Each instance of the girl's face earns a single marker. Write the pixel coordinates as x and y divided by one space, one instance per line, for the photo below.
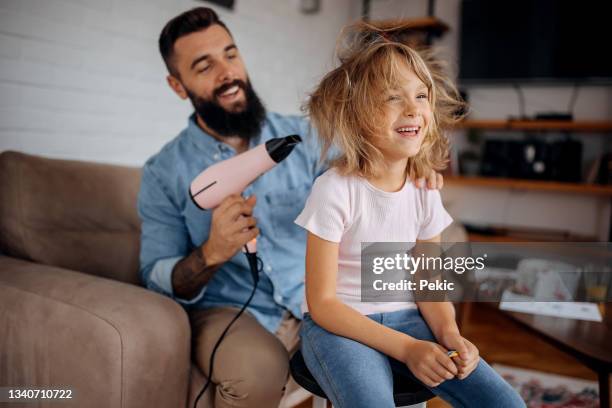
408 113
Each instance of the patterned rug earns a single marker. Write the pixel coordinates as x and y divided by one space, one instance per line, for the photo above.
542 390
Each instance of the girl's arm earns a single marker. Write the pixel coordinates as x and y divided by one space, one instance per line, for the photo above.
332 314
427 360
440 317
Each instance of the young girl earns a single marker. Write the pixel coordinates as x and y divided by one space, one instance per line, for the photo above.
383 109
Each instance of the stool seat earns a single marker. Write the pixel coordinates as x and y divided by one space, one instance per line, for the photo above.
406 391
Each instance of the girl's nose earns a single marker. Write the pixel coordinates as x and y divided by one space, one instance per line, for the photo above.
410 109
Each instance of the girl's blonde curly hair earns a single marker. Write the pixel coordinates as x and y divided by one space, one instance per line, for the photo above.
348 107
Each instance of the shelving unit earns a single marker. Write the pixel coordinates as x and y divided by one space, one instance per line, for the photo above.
583 129
538 185
543 125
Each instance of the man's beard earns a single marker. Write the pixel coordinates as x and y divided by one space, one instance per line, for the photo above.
244 124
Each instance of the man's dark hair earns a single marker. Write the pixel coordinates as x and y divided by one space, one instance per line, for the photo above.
191 21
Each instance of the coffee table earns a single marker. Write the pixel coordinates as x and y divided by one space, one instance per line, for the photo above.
589 342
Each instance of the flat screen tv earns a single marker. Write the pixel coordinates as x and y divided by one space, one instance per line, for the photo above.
536 41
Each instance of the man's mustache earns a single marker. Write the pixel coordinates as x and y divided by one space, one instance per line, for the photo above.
228 85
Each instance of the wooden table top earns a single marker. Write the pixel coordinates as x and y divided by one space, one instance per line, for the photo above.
588 341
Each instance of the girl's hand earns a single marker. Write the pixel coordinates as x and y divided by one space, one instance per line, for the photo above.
468 357
428 362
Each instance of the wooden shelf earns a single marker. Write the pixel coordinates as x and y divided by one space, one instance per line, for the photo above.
474 237
570 126
537 185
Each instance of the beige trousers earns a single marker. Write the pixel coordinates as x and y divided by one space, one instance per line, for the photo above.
251 367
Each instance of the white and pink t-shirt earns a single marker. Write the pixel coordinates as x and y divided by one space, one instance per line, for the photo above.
349 210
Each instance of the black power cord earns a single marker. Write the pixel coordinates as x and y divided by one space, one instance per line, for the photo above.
256 266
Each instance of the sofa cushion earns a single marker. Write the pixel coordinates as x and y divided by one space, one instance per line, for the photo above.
77 215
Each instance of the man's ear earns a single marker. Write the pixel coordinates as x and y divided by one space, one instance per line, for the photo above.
177 86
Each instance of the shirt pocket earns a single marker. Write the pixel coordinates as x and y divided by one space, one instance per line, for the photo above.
284 207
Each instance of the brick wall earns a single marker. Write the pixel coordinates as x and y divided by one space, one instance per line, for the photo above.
82 79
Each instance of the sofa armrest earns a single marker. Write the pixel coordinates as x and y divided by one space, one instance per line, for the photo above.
114 344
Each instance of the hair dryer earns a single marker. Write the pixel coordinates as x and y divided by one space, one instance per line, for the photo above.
233 175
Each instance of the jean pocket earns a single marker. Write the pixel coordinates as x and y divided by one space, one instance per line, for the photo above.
285 206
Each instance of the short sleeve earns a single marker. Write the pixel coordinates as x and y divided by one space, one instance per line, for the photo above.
326 213
435 218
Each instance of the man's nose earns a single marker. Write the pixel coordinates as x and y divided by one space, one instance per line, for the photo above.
226 72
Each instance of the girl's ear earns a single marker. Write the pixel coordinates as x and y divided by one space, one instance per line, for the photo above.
177 86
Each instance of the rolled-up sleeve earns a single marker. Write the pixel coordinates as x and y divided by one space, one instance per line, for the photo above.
164 237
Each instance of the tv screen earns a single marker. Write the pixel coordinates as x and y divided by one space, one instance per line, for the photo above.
537 41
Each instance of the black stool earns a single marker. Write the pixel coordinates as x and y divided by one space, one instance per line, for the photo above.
406 391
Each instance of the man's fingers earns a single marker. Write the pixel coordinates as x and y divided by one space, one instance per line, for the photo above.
246 236
251 200
229 201
233 212
243 223
431 180
234 205
439 181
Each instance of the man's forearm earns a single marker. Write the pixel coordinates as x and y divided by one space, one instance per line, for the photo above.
191 273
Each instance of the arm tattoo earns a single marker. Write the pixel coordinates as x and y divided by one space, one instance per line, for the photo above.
191 273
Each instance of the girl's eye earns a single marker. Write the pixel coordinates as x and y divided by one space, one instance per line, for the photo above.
421 96
393 98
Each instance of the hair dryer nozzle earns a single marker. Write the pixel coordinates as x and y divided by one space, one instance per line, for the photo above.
280 147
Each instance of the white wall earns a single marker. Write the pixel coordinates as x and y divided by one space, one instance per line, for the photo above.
577 214
83 79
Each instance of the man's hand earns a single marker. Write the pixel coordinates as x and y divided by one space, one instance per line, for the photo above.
428 362
232 226
468 353
434 181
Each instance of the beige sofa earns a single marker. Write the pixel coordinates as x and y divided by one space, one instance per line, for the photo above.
71 312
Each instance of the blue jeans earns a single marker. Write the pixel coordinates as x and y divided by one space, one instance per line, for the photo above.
355 375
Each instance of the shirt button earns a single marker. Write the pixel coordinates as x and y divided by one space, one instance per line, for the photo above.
216 156
268 268
278 298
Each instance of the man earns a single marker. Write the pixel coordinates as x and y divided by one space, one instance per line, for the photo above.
194 256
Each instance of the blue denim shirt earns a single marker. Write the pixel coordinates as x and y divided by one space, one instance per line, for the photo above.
172 226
